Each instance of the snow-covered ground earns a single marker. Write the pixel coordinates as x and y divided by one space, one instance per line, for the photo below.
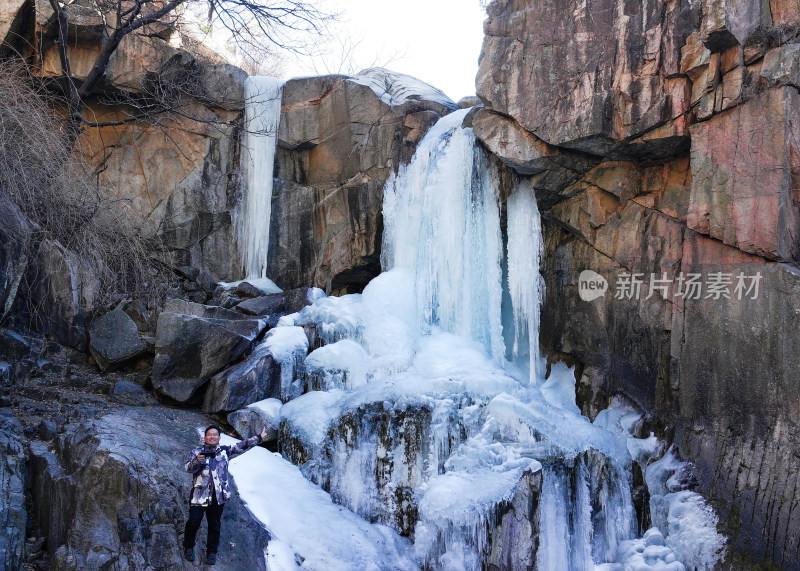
308 530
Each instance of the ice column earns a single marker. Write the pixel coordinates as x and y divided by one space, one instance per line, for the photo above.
442 222
252 216
525 283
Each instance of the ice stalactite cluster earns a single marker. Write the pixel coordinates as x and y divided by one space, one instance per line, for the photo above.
412 417
252 215
525 249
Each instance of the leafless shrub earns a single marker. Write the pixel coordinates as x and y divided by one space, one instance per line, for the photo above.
49 183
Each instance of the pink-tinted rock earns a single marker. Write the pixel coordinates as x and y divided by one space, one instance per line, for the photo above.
785 12
745 166
571 82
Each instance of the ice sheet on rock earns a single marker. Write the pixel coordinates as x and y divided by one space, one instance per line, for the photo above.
252 215
340 365
396 88
311 415
525 283
266 285
459 507
559 388
389 316
271 409
336 318
314 294
445 367
648 553
304 522
683 516
533 420
288 346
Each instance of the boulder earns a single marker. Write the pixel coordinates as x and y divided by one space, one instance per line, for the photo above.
274 370
256 378
604 75
194 341
114 340
745 166
272 304
263 414
279 304
112 493
339 139
13 512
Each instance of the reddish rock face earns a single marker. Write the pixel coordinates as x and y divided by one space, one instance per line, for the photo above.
585 75
745 166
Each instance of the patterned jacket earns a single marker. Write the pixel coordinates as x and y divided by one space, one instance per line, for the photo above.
214 471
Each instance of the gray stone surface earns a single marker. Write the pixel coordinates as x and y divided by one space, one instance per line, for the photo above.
250 420
16 236
194 341
112 493
61 293
114 340
256 378
13 481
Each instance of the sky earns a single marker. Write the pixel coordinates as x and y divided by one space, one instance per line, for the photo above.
437 41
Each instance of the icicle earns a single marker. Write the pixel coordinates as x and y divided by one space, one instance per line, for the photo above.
554 533
252 217
525 284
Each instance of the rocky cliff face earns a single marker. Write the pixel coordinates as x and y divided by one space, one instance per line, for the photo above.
661 140
340 138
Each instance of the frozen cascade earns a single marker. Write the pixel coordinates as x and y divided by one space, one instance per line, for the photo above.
442 222
525 283
411 416
251 218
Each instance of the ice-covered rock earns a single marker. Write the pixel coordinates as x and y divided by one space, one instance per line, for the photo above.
262 414
398 89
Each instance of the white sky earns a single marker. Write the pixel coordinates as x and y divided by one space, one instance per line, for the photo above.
437 41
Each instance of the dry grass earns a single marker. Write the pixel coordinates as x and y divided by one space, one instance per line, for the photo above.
51 186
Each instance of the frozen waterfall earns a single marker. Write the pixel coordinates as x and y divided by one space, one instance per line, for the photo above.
442 223
252 216
416 414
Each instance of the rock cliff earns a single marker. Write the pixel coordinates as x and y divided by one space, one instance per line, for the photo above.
660 138
339 139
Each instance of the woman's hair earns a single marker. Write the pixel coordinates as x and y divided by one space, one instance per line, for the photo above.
213 427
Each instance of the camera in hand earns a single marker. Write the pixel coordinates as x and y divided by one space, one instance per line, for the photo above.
208 452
